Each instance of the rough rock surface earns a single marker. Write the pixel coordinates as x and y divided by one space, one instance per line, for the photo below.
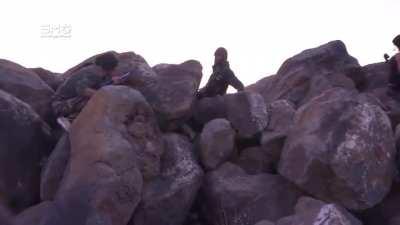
247 113
308 74
24 144
217 143
233 197
109 146
53 171
54 80
168 199
35 214
319 214
174 93
341 149
27 86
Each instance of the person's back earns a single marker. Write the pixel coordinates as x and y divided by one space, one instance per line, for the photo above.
221 77
394 79
73 94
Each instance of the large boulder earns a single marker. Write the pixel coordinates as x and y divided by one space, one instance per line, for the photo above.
174 93
35 214
217 143
230 196
341 149
308 74
313 212
168 198
24 144
113 139
27 86
54 80
247 113
207 109
53 170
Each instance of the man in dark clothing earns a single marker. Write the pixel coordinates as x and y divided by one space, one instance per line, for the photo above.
394 79
221 77
73 94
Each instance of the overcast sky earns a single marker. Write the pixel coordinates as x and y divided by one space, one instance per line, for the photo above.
259 34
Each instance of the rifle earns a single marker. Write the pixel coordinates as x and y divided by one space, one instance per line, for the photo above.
121 78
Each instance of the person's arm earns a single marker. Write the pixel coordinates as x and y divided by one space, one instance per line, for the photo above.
234 81
86 85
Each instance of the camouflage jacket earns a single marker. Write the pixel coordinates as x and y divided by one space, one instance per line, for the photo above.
75 85
219 81
394 79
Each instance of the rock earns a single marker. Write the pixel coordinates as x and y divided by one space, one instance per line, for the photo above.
5 216
24 143
217 143
207 109
254 161
54 80
341 149
113 139
27 86
247 113
321 214
34 214
173 96
376 76
53 171
281 114
272 143
168 198
233 197
308 74
264 222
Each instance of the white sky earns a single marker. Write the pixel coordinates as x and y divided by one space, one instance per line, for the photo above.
259 34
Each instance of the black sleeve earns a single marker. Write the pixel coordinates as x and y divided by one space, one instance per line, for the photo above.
234 81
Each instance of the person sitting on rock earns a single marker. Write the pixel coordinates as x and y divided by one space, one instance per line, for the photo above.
73 94
221 77
394 79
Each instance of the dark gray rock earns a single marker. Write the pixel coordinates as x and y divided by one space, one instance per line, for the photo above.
217 143
53 172
25 141
168 198
233 197
341 149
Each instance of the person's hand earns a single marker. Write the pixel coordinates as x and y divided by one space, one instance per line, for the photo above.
89 92
116 80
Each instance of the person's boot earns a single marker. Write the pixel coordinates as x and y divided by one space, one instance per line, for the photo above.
64 123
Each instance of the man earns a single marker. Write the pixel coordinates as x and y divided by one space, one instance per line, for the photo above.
221 77
74 93
394 79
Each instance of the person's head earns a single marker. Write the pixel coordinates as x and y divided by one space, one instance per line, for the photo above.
221 55
107 61
396 41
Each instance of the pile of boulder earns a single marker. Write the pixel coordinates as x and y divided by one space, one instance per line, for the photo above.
316 143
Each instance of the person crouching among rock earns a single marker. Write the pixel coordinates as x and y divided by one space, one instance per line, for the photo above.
221 77
394 79
74 93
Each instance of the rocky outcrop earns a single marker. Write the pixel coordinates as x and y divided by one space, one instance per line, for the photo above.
341 149
27 86
308 74
322 126
24 144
